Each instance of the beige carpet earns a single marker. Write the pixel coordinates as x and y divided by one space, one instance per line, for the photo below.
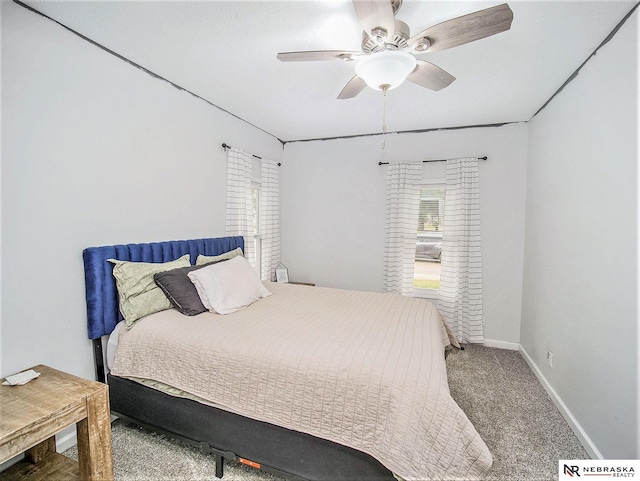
524 431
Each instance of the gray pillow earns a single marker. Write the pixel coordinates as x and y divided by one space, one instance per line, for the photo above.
180 291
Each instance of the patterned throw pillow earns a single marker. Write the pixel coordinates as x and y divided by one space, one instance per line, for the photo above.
202 260
139 294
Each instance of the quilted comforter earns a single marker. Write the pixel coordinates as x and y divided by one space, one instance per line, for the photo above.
362 369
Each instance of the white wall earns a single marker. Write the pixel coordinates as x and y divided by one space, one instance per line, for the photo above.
94 152
580 264
333 209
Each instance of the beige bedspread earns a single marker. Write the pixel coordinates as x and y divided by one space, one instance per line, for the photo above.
362 369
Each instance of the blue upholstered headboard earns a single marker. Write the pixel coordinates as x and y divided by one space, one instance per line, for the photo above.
103 310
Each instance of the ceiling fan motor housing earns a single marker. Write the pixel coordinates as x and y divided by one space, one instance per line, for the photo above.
396 42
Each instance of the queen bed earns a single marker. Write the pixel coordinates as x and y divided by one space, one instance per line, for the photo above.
308 383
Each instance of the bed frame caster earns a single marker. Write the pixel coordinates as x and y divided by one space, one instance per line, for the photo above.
219 457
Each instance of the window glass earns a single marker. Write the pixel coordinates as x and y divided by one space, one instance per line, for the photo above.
429 237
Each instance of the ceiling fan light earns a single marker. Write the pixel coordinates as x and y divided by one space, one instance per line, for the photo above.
388 67
422 45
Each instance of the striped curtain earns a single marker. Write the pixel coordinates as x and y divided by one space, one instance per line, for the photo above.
460 300
403 206
239 217
269 219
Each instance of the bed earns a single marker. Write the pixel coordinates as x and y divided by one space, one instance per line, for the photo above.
308 383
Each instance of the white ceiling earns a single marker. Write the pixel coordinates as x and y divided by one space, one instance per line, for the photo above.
225 52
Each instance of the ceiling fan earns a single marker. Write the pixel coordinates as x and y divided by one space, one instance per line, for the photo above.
388 49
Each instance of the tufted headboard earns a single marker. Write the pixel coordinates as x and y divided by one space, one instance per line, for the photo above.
103 309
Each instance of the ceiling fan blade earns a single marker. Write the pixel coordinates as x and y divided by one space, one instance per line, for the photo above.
318 55
430 76
465 29
353 88
375 14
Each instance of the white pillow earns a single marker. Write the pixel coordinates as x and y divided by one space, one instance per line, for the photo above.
228 286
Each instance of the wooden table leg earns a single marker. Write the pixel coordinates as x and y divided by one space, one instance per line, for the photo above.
94 439
40 451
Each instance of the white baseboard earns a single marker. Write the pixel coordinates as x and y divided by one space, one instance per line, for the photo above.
580 433
511 346
67 441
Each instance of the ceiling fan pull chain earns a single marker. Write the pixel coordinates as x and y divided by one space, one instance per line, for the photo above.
384 112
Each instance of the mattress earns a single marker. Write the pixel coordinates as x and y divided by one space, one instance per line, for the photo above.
362 369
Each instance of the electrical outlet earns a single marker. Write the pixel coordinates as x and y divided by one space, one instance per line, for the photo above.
550 358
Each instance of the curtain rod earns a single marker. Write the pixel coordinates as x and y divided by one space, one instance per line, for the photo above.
226 146
436 160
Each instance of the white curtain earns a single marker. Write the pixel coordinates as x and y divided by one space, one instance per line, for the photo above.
239 217
460 300
403 206
269 219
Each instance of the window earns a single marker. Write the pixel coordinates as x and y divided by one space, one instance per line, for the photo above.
257 239
253 199
426 275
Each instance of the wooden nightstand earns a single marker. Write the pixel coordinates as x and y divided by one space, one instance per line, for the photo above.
31 415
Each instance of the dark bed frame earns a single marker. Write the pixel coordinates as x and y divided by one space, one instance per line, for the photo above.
286 453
